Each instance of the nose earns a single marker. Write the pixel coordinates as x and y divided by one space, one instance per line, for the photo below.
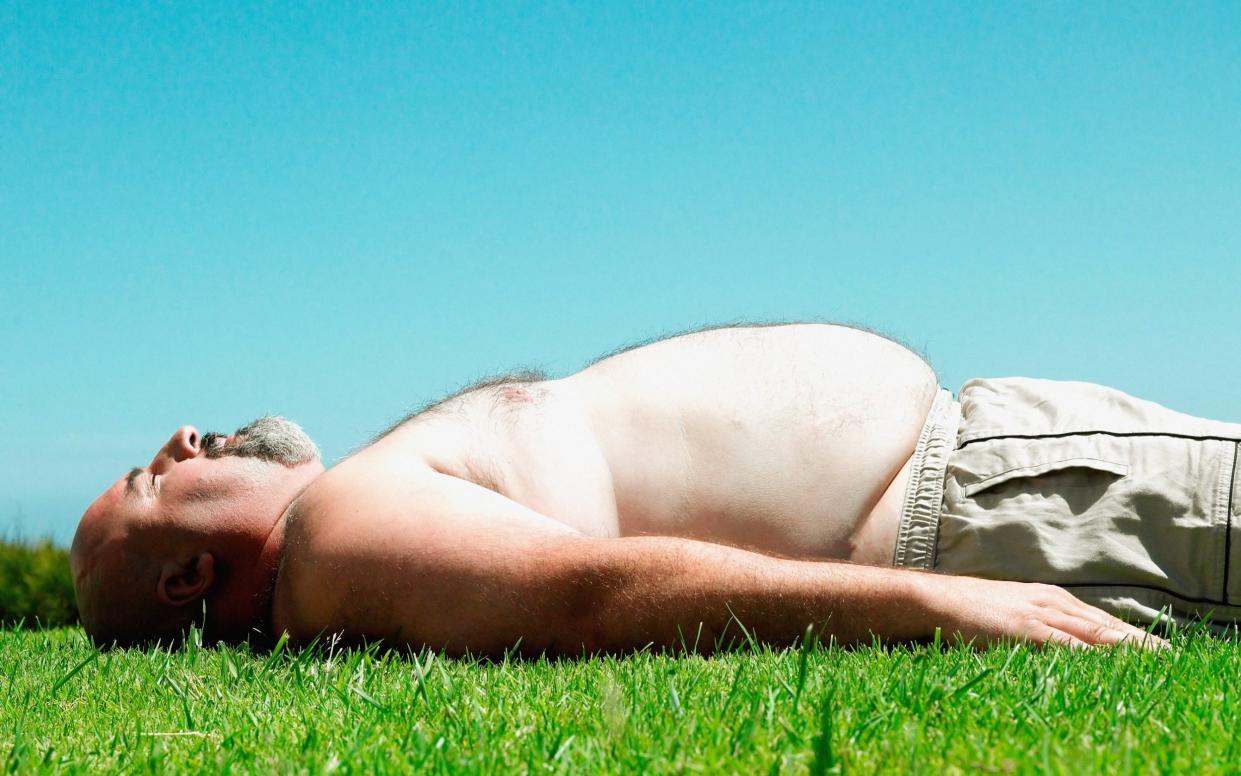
184 443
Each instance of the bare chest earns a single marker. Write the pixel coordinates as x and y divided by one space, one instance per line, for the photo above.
787 440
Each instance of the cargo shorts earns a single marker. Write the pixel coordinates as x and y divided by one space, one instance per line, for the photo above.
1128 505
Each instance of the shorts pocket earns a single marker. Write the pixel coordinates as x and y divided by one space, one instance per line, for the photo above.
1046 467
1098 510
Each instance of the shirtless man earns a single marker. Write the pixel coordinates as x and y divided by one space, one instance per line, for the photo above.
784 476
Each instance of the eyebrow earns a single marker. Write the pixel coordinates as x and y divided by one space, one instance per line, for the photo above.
129 479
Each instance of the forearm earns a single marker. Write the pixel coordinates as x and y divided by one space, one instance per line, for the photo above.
627 593
576 595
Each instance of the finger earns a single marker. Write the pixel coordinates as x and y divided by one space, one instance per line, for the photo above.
1135 634
1138 636
1071 603
1095 630
1060 637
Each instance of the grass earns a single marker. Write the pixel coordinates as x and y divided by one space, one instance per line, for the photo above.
65 706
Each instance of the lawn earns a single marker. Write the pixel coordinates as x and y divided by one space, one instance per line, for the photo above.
64 705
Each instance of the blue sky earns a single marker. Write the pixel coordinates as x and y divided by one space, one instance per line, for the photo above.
338 212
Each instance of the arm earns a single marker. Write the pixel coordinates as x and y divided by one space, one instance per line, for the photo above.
644 589
469 570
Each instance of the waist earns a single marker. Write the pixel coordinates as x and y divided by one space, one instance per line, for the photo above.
875 534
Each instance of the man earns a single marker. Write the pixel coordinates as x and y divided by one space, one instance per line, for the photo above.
783 477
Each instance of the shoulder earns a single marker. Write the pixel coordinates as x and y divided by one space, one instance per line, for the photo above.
290 595
374 539
326 531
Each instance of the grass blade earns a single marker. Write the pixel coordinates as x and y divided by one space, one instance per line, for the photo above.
94 655
808 643
824 755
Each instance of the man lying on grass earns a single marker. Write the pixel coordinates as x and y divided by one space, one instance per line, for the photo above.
784 476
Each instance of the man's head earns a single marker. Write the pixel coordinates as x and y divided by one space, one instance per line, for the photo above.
192 526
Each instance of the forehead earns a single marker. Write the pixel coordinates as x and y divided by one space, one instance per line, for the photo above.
98 526
116 492
109 510
107 500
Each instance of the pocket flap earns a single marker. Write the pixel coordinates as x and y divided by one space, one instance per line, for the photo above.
1097 464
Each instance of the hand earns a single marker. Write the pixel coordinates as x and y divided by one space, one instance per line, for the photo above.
982 611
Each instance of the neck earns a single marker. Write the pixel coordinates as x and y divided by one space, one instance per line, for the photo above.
266 570
242 607
242 604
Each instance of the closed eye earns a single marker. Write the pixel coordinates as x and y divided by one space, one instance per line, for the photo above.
129 479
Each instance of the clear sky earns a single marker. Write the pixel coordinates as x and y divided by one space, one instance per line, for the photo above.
212 211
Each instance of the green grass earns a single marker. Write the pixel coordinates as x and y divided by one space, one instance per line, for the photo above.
909 709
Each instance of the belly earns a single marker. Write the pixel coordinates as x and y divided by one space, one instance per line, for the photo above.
802 450
841 507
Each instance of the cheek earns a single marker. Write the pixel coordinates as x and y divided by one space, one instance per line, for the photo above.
220 481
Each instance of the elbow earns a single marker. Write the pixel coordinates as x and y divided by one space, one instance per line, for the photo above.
563 598
591 605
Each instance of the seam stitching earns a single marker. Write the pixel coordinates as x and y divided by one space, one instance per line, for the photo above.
1061 435
1130 585
1232 482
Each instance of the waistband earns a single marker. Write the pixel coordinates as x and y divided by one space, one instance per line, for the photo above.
924 495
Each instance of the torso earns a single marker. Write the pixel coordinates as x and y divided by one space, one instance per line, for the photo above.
792 440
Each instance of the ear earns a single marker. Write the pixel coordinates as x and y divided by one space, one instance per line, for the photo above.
181 583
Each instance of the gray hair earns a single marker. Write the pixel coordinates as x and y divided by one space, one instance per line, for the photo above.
270 438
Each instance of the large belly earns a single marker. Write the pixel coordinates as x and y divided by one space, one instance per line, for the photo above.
803 453
813 495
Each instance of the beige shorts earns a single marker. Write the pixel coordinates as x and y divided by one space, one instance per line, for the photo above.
1130 506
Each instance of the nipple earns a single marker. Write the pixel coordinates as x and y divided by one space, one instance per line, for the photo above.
514 393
